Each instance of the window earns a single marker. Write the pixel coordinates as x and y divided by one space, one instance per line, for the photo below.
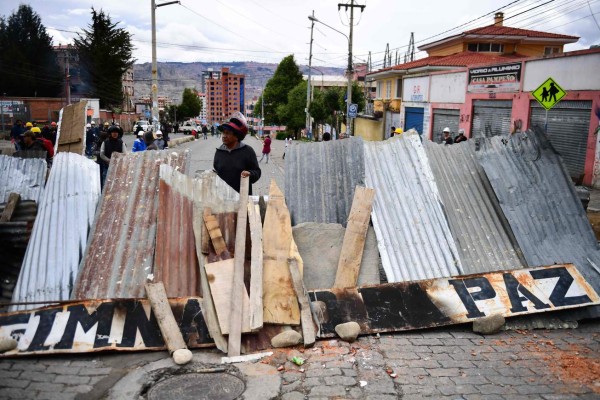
379 93
398 88
486 47
551 50
388 90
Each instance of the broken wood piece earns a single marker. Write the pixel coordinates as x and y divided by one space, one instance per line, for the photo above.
237 288
166 322
11 205
246 358
208 307
220 279
204 237
354 238
306 319
256 268
280 305
214 231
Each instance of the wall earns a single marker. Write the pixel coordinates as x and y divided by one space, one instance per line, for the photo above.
416 89
368 129
447 50
531 49
448 88
571 73
44 108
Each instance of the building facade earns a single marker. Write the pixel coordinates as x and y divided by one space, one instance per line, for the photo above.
224 96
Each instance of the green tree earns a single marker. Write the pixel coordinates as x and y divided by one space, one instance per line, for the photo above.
292 113
105 54
286 77
28 65
358 97
190 104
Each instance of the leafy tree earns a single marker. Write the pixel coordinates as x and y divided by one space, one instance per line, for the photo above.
358 97
28 65
286 77
105 54
292 113
190 104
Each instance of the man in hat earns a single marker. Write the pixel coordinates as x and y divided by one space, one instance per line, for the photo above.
139 144
447 138
160 141
461 136
111 145
234 159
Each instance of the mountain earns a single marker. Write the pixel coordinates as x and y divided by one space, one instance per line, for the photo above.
173 77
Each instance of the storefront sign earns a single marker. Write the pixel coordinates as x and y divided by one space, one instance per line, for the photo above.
497 78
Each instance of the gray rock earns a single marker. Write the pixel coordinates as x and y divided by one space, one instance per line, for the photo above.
348 331
286 339
320 246
488 325
7 344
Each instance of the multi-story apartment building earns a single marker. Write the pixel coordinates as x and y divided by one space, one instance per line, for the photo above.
224 95
203 113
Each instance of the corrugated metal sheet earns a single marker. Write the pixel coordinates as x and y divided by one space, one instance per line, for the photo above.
482 235
66 213
540 202
23 176
320 179
120 252
176 261
413 235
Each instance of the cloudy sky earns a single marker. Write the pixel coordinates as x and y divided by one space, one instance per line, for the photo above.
268 30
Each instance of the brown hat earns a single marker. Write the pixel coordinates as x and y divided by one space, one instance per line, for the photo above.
28 134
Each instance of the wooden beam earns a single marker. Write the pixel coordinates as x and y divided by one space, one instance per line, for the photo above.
166 320
237 288
279 299
256 268
11 205
308 327
220 279
214 231
208 306
354 238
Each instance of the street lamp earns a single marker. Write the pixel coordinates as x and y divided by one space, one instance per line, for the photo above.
154 63
349 72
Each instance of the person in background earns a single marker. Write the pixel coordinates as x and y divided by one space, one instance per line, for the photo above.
447 137
234 159
109 146
90 140
46 143
160 142
139 144
51 136
205 132
15 134
460 137
212 130
392 132
120 130
29 142
288 142
266 148
149 141
326 137
398 131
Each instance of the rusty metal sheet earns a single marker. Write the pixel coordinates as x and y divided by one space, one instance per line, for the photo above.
100 325
446 301
120 253
24 176
70 136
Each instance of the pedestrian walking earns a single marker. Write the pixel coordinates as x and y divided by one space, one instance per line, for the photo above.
234 159
15 134
266 149
205 132
109 146
139 144
288 142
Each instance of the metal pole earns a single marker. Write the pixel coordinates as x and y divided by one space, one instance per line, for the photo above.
2 111
154 114
68 79
348 119
308 82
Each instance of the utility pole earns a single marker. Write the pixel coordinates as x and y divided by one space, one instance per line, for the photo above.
308 86
68 78
350 70
262 112
154 63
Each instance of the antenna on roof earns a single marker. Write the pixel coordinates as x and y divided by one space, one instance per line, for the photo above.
410 52
385 56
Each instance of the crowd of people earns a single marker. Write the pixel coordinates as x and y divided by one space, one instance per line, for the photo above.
30 139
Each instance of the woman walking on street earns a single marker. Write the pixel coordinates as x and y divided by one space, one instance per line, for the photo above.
266 149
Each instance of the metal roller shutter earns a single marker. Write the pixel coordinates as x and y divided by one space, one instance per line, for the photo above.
491 118
444 118
568 127
413 119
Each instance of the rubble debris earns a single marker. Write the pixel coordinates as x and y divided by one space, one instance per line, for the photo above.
245 358
286 339
348 331
489 325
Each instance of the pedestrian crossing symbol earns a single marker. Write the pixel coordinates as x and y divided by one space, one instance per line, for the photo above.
548 93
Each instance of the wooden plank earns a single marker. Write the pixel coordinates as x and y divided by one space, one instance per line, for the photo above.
214 231
308 327
279 299
205 239
220 279
354 238
208 306
166 321
11 205
256 268
238 288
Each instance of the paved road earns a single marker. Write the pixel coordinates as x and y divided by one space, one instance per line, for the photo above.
447 363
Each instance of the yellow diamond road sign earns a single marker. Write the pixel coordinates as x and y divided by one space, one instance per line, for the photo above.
548 93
